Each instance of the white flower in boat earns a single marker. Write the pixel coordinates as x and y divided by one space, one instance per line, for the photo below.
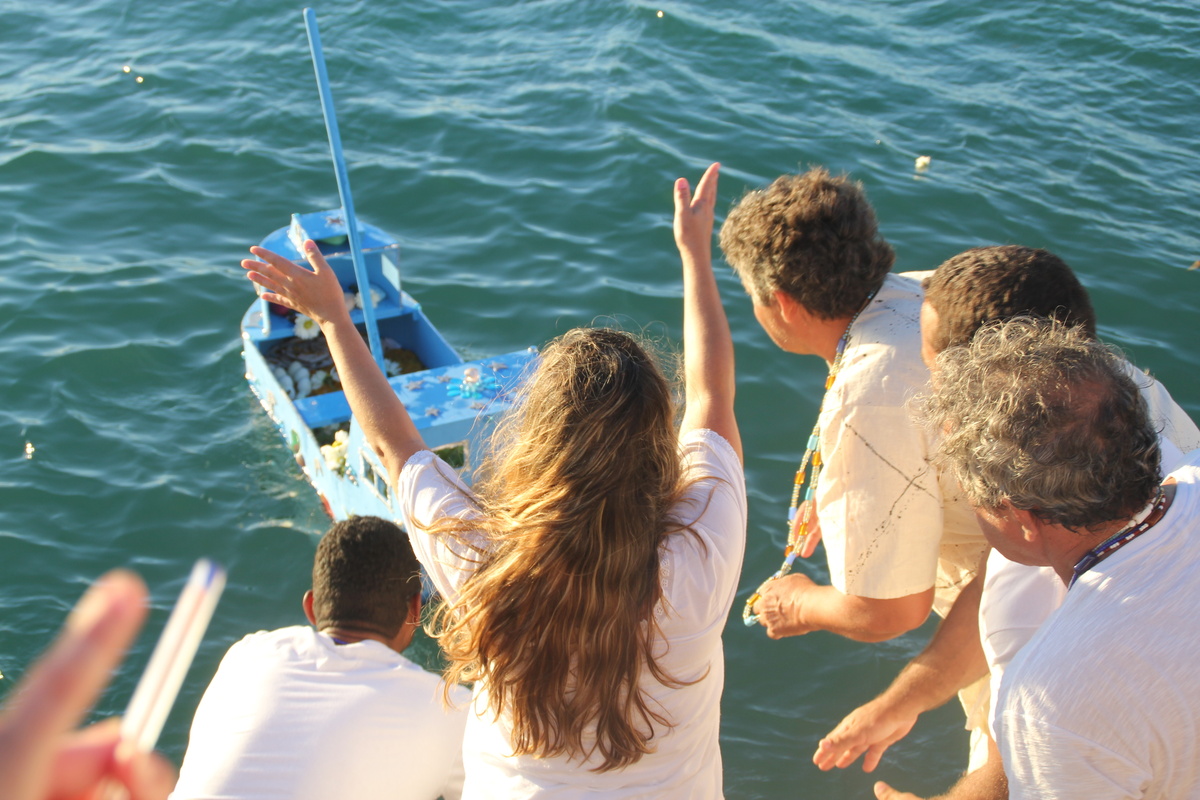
376 297
305 328
319 378
923 162
341 437
391 368
335 456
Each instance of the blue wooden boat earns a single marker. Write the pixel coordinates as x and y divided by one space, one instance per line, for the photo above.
289 368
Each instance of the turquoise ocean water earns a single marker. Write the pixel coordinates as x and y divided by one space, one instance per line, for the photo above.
523 153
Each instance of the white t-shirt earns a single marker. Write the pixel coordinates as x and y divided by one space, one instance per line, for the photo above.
290 714
890 524
1017 598
699 577
1104 702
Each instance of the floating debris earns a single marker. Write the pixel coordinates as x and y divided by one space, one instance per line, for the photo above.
660 14
922 163
140 79
1195 265
29 448
125 68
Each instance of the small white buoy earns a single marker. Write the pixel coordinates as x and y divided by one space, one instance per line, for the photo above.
29 448
140 79
660 13
922 162
125 68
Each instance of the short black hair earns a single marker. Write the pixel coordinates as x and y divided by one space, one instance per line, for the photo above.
364 573
990 284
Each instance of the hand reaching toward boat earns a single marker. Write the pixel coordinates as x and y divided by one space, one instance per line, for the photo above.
314 293
317 294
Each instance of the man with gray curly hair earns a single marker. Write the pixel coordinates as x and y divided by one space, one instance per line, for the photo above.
1051 441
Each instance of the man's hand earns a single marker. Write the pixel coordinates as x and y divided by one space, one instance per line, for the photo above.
778 607
866 731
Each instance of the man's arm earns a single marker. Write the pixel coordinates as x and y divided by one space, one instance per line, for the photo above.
953 660
795 605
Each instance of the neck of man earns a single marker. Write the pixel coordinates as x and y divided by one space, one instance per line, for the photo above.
1071 545
349 633
825 335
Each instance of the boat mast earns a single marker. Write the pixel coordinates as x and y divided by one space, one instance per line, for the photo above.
343 183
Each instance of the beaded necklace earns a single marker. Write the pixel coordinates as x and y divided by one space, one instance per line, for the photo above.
1150 515
798 534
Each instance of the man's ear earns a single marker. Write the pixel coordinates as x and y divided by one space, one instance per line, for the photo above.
414 610
307 602
788 305
1032 527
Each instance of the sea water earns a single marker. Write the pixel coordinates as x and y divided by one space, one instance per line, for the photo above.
523 154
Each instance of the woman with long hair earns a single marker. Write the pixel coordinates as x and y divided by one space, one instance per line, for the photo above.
588 576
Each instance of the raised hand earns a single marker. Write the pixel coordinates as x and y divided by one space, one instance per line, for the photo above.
694 215
315 293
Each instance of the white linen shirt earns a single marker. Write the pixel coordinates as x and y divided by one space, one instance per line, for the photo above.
699 577
890 524
292 715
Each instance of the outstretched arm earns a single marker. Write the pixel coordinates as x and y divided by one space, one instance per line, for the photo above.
707 343
952 660
317 294
795 605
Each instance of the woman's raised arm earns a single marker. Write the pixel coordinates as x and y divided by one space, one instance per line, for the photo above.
317 294
707 343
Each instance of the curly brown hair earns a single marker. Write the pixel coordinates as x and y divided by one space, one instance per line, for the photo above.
1047 418
985 284
812 236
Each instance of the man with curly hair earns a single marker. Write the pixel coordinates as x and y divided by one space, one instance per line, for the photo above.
899 542
1052 441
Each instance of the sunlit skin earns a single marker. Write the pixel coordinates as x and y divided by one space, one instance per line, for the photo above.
929 324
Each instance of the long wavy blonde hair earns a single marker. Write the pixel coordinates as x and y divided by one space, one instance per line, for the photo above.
559 615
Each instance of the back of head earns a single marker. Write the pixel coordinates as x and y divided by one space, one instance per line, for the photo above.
1047 418
364 575
812 236
986 284
575 503
595 427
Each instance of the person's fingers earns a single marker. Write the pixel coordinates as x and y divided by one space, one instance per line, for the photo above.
706 189
313 253
874 755
683 195
63 684
83 758
149 776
